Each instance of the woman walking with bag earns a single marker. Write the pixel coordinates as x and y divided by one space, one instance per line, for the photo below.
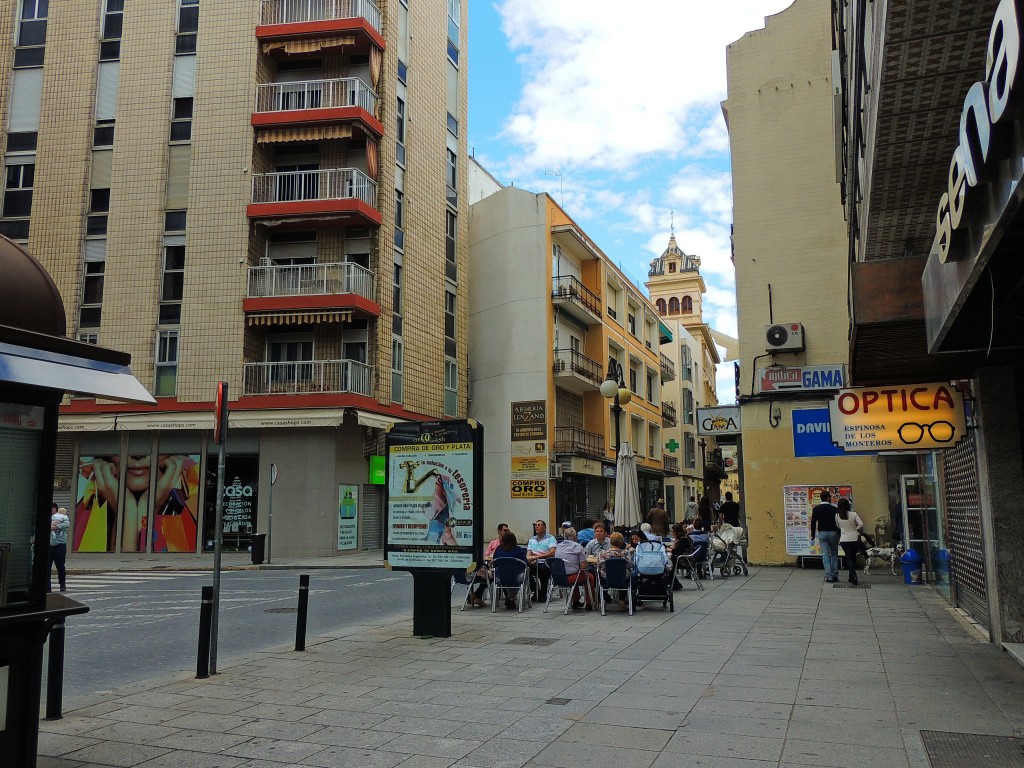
849 535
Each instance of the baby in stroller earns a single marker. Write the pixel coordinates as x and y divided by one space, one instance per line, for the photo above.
653 571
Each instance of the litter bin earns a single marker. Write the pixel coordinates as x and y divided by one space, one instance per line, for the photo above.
258 547
911 562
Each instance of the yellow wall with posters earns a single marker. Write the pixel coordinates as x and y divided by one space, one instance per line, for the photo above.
769 464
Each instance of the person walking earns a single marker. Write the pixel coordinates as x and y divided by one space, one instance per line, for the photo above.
730 511
691 510
849 536
59 524
823 523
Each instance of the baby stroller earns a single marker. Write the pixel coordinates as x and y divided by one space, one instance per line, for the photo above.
653 577
727 543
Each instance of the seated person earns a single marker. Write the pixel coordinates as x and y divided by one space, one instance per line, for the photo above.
681 547
701 539
635 537
586 536
509 547
540 547
599 543
561 532
575 559
483 574
616 550
648 531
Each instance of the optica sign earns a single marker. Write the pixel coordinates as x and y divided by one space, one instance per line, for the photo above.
915 417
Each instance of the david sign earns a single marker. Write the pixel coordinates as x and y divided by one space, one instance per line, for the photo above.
914 417
719 421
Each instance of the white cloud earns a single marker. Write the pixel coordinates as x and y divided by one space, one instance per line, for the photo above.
602 92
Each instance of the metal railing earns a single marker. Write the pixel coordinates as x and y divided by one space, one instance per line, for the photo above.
669 414
571 361
302 377
713 458
326 184
311 280
297 11
316 94
671 464
569 287
668 368
574 440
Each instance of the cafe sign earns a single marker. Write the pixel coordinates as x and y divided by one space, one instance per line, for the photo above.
922 417
718 421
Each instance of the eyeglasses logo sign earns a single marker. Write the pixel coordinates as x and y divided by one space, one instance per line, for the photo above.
899 418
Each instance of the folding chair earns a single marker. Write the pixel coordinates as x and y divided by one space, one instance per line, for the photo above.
689 562
510 576
461 577
560 579
616 576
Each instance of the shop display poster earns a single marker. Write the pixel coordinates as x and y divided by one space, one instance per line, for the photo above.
348 517
798 501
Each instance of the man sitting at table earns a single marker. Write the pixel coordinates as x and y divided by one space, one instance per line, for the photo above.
575 559
599 543
540 547
483 573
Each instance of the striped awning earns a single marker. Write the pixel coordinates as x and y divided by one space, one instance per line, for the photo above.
303 133
300 317
308 45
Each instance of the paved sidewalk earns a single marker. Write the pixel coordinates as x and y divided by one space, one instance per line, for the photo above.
230 561
773 670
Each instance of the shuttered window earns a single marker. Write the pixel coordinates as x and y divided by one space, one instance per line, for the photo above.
106 90
183 77
101 163
26 96
178 161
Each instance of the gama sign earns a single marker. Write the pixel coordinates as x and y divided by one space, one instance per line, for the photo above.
913 417
724 420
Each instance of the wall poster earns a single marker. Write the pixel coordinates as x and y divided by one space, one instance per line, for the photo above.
241 494
96 503
176 506
348 517
798 502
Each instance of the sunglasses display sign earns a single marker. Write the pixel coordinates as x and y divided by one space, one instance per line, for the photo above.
912 417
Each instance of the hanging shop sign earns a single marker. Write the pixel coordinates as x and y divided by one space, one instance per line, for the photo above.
785 378
718 421
922 417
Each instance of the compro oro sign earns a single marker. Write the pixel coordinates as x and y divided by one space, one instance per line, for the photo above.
718 421
921 417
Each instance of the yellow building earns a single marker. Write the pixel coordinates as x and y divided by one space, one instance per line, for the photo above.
791 277
547 312
220 190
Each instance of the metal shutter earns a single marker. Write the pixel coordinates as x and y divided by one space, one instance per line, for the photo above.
26 99
372 517
64 473
597 495
963 512
106 89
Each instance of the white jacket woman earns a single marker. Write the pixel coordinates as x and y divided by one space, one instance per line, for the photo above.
849 535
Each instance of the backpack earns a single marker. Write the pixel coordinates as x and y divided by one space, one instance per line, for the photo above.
650 558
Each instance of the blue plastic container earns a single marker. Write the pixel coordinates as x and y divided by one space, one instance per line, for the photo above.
911 562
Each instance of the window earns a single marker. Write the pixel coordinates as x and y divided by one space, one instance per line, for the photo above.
454 13
172 286
92 295
99 205
89 338
688 406
453 53
451 178
399 219
175 221
673 306
113 15
687 305
166 363
660 304
671 266
103 136
632 379
612 301
397 353
18 190
450 231
181 119
686 363
631 321
396 290
653 441
400 132
652 381
690 450
449 314
32 29
188 25
451 388
403 71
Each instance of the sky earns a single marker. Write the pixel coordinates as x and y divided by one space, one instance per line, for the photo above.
614 110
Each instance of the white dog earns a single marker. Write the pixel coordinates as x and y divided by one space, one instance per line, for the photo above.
890 555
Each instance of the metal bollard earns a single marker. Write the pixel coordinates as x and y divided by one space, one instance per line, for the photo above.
205 618
300 620
55 673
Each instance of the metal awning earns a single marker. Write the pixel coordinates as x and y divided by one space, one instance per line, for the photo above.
300 317
377 420
666 334
69 373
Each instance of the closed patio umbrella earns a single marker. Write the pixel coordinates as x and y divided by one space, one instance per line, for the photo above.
627 489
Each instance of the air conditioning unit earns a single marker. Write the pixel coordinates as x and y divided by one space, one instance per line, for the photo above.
784 337
555 471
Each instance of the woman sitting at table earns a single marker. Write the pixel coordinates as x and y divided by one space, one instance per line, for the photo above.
573 555
509 547
618 551
681 547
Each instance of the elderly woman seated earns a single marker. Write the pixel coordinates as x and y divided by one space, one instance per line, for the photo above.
571 552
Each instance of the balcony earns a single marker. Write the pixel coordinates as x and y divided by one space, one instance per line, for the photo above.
669 416
668 368
307 377
338 22
578 442
576 372
317 102
328 292
333 196
671 464
574 298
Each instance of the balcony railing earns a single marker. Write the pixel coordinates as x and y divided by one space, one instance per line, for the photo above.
299 11
579 442
307 377
671 464
316 94
568 287
713 458
668 368
669 415
311 280
327 184
571 361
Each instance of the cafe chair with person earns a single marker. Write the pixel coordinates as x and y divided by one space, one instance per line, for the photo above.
562 580
616 573
511 582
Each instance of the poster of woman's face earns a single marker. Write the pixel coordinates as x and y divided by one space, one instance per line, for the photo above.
175 523
96 503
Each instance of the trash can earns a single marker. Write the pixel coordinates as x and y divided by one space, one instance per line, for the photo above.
911 562
258 547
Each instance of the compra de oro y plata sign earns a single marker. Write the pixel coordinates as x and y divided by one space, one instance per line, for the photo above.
921 417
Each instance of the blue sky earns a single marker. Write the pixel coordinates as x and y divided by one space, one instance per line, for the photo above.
623 100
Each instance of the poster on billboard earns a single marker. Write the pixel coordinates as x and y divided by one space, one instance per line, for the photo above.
435 506
798 502
348 517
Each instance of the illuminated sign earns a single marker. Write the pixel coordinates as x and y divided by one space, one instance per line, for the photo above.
920 417
801 377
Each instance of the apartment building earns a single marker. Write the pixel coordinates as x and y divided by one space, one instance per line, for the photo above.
270 194
551 317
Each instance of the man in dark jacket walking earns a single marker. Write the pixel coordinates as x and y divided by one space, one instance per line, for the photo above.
823 523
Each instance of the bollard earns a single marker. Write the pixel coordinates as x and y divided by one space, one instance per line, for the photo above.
300 620
205 616
55 673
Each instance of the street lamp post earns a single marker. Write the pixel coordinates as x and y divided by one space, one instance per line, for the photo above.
614 388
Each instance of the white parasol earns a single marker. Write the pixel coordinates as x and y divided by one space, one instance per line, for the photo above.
627 490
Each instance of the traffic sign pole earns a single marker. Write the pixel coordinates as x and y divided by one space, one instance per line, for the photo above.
218 525
270 507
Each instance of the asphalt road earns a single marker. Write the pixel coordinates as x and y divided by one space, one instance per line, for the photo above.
146 625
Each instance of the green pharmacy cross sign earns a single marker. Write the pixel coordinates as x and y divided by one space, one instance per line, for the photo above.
672 445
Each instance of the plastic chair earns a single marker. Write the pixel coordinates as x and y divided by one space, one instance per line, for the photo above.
616 576
562 580
510 576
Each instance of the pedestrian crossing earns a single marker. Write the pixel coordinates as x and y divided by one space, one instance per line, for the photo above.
93 582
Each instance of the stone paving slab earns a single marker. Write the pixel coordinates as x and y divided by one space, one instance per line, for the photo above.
755 672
